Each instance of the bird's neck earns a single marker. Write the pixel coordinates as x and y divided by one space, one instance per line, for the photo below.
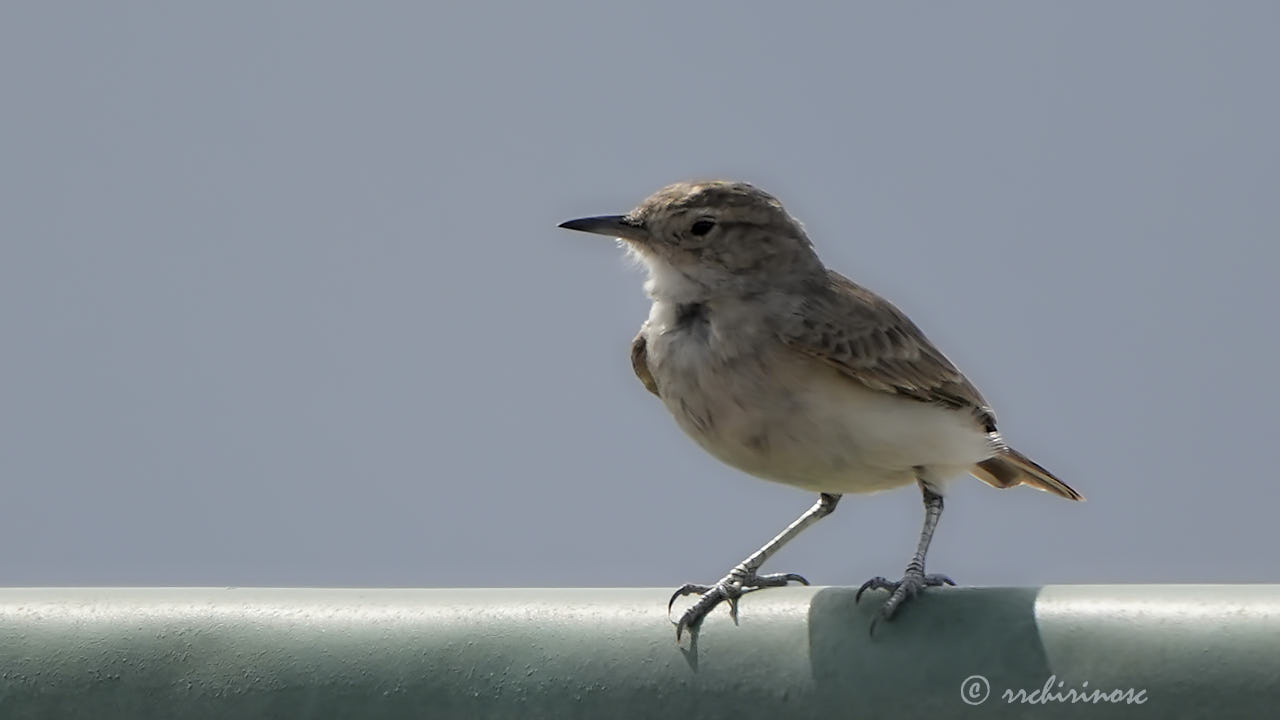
675 286
668 283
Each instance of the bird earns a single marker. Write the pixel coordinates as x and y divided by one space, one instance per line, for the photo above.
791 372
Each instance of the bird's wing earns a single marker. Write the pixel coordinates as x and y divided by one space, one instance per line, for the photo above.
640 362
867 339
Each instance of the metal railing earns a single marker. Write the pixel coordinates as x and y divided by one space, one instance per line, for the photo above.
1124 651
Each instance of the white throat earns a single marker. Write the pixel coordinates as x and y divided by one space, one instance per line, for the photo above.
666 283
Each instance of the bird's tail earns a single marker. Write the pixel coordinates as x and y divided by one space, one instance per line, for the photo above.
1011 468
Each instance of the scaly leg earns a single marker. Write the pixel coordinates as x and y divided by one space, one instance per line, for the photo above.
743 578
914 579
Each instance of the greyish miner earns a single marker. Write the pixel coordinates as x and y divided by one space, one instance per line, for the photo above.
793 373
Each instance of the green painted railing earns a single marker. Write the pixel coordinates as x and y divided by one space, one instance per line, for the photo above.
1100 651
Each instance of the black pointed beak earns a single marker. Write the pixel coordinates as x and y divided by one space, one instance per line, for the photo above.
619 226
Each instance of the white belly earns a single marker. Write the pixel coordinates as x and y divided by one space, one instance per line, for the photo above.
784 417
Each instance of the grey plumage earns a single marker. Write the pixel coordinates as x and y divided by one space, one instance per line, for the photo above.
794 373
869 340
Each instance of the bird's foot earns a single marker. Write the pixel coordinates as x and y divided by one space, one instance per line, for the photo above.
912 582
729 588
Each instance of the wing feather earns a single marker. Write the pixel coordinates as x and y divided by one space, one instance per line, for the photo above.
640 362
867 339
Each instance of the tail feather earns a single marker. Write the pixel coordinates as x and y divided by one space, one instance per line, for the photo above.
1011 468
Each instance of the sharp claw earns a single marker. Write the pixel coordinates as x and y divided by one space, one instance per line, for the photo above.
686 589
693 616
878 582
729 589
900 592
699 610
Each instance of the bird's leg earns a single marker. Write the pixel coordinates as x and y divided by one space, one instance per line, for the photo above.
913 580
743 578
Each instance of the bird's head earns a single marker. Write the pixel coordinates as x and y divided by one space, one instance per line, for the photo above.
700 240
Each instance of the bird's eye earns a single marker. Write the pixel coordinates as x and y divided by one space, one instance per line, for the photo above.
702 227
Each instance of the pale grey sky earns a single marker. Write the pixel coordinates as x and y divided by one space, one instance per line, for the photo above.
283 301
